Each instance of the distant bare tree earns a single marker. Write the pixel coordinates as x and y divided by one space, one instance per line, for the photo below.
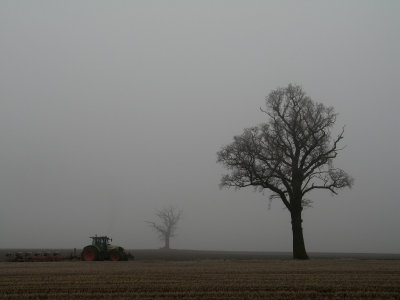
167 225
290 155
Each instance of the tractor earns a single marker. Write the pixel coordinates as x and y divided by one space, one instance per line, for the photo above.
101 249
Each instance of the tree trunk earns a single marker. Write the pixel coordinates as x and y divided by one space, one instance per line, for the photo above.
299 250
166 242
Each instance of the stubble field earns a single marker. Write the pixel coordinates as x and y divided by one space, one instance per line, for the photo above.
204 279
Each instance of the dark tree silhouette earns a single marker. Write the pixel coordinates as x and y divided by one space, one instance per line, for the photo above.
290 155
167 225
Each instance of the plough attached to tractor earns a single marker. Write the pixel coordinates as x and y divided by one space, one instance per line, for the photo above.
37 256
100 249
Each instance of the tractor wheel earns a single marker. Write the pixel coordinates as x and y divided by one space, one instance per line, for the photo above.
90 253
116 255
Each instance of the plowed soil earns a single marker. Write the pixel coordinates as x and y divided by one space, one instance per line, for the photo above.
204 279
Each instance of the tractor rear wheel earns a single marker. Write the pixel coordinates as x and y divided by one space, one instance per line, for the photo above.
90 253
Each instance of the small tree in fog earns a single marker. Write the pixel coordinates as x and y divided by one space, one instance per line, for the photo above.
290 155
166 226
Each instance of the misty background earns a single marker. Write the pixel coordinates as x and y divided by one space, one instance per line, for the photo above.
110 110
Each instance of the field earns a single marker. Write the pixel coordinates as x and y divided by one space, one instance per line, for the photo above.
203 279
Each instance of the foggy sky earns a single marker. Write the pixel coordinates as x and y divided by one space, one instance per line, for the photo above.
113 109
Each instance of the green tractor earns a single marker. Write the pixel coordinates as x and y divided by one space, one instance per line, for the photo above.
101 249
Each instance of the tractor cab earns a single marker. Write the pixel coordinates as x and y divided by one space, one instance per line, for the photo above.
102 242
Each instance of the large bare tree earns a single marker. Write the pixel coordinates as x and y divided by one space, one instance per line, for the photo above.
290 155
168 219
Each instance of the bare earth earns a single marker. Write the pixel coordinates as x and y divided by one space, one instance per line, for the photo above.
202 279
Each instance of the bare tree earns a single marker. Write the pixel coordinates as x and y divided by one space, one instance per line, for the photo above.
167 225
290 155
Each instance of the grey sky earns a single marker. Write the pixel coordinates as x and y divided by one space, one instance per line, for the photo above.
112 109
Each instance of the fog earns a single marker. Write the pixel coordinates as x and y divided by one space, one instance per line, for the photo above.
111 110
